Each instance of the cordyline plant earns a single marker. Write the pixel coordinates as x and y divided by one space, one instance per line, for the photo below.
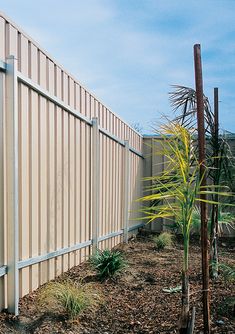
219 159
175 193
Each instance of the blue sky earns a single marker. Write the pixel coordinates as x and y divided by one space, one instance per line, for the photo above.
129 52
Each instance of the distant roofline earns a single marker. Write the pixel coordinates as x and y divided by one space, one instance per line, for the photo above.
229 135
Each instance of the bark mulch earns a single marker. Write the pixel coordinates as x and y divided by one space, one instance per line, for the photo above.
135 301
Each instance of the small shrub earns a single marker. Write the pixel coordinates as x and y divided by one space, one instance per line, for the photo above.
227 271
107 263
165 239
225 222
67 297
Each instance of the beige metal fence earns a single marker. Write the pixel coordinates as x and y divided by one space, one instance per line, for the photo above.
70 169
154 165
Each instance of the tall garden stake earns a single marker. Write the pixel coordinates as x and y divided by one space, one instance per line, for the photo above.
215 206
204 220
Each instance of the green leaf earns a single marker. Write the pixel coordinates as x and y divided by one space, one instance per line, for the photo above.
172 290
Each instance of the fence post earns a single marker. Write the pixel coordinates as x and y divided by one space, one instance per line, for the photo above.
2 246
126 190
12 184
95 182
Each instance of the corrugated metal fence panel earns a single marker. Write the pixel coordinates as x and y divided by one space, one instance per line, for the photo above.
34 168
157 168
54 152
154 165
111 189
136 176
54 187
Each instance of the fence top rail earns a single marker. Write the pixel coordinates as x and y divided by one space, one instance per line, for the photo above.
5 17
34 260
28 82
3 66
3 271
108 134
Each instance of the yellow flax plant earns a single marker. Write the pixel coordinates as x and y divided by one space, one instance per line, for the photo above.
175 192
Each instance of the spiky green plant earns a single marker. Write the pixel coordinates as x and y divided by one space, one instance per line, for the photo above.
163 240
222 165
227 271
68 297
225 220
184 100
107 263
220 160
176 191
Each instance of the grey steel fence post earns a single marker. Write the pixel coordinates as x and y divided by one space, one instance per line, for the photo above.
126 190
1 192
12 184
95 183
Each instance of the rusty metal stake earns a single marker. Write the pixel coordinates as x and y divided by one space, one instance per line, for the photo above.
204 219
216 116
215 207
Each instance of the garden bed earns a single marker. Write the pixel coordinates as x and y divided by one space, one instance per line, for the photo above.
135 302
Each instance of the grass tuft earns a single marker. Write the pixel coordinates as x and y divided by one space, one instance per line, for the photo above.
107 263
68 297
163 240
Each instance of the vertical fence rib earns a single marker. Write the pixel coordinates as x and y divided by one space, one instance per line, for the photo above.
126 189
12 184
95 183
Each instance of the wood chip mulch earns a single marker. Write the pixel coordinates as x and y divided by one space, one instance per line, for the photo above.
135 302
